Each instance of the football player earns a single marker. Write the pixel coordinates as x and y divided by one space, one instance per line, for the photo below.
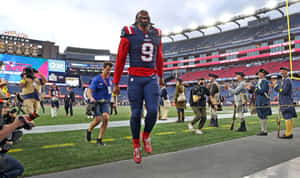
54 94
143 44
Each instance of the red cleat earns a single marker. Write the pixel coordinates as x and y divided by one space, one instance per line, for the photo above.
137 154
147 143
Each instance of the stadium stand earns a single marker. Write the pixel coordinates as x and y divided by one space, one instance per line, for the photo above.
275 27
258 33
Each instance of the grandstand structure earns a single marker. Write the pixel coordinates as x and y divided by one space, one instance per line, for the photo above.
262 43
14 43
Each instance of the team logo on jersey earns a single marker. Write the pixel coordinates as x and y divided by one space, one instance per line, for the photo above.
122 33
131 79
146 36
100 83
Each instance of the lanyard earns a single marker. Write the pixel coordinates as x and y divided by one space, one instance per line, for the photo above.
105 81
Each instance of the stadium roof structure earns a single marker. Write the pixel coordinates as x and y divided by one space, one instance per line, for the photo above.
249 12
87 51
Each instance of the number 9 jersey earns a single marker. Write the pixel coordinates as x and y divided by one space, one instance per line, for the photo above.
145 52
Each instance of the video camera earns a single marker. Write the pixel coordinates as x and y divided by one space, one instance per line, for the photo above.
15 136
91 108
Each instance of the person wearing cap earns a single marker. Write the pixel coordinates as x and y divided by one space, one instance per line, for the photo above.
286 101
262 100
240 99
180 99
198 96
214 90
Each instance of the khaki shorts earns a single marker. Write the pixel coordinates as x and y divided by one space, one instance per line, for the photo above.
31 105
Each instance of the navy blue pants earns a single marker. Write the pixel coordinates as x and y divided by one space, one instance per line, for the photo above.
140 89
12 167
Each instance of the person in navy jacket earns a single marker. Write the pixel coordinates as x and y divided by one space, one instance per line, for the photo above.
262 100
286 101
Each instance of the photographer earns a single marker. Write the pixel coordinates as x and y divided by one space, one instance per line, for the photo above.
198 96
9 166
99 93
31 89
3 96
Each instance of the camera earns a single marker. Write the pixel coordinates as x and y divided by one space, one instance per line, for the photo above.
91 109
15 136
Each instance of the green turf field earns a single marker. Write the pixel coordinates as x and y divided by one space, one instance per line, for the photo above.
80 116
50 152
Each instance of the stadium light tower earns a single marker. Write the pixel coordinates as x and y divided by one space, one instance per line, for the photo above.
271 4
249 11
226 18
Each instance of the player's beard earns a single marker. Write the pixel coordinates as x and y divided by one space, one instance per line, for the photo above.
144 25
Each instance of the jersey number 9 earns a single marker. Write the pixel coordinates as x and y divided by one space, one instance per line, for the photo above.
147 52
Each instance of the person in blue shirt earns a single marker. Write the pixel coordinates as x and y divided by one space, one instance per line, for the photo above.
99 93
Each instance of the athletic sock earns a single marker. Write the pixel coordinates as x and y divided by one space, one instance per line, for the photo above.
263 125
145 134
52 112
136 142
289 127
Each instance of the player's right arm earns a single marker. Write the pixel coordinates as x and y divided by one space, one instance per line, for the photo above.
91 88
89 93
121 60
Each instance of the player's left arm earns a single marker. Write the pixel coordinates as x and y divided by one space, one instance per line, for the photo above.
160 64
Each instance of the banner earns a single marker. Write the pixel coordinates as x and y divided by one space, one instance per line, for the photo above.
13 66
261 56
73 81
56 65
56 77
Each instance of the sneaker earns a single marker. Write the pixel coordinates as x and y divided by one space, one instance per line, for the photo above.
100 143
262 133
88 135
198 131
147 145
286 137
137 154
241 129
191 127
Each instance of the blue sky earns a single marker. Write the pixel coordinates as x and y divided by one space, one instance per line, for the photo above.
97 23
